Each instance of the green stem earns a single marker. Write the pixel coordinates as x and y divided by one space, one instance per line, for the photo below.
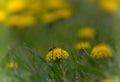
63 73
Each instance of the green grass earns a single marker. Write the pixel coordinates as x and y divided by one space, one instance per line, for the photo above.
28 47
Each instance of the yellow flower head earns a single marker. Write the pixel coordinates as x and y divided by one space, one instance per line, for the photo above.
55 4
107 80
3 15
12 65
56 53
82 45
109 5
101 51
21 20
49 17
64 13
15 5
35 7
86 32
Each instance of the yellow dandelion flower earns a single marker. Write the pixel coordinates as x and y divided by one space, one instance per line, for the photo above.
13 20
35 7
101 51
107 80
12 65
64 13
86 32
21 20
82 45
109 5
49 17
56 53
15 5
55 4
3 15
26 20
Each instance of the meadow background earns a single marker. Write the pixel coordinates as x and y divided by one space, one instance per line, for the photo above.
30 28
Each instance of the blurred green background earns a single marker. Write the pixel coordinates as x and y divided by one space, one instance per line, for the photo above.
29 28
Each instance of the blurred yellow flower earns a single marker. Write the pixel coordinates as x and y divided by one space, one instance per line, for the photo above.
3 15
107 80
86 32
55 4
27 20
2 4
12 65
109 5
15 5
35 7
64 13
101 51
49 17
56 53
55 10
82 45
21 20
13 20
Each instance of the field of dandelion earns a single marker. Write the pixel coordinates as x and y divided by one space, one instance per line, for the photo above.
59 41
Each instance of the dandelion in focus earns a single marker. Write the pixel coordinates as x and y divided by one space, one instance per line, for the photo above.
101 51
109 5
56 54
107 80
12 65
82 45
86 32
